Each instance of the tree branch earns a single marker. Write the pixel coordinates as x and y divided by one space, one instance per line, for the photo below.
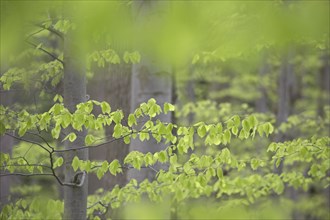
26 174
52 30
28 141
42 138
45 51
95 146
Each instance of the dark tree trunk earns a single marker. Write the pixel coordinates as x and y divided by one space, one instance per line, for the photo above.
285 89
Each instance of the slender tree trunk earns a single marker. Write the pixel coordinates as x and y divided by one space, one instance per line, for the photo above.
75 198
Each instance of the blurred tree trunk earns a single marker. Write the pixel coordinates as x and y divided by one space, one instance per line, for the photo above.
261 103
191 93
111 84
118 92
96 89
75 198
150 79
285 88
6 144
324 82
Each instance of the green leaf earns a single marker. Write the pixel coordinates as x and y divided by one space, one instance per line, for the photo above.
87 166
173 159
75 163
219 173
131 120
268 128
24 203
56 132
227 136
253 121
58 162
117 131
234 130
144 136
201 131
100 173
58 97
114 167
105 107
188 169
236 120
127 139
117 116
260 130
89 140
72 137
149 159
246 125
22 129
168 107
104 166
278 162
162 156
254 164
136 163
225 155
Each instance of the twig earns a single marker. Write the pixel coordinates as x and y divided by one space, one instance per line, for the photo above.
91 147
28 141
45 51
52 30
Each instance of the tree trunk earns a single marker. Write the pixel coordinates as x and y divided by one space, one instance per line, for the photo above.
6 144
285 89
324 82
261 103
75 198
119 97
148 81
113 86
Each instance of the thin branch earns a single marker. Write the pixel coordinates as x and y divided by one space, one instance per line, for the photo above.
42 138
98 202
27 165
153 169
34 33
50 29
26 174
28 141
45 51
95 146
